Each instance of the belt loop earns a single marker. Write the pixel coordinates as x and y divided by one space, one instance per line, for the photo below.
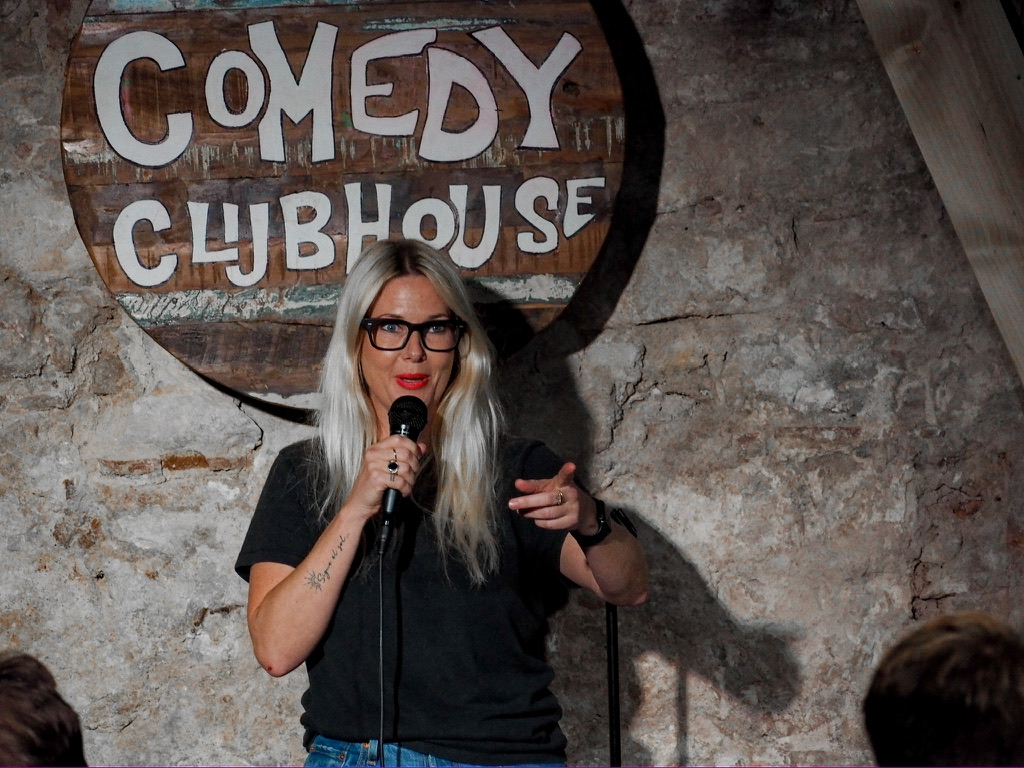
307 738
373 751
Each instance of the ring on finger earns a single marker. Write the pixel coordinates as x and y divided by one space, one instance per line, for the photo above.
393 465
559 498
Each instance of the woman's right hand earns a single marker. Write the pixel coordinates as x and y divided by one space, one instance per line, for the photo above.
374 478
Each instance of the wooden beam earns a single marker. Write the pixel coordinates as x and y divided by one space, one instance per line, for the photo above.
958 72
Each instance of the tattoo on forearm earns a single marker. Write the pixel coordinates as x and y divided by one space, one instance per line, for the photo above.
317 580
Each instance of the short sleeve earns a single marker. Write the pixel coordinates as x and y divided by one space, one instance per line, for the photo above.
282 530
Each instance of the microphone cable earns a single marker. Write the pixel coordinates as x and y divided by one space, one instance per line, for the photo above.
407 416
380 653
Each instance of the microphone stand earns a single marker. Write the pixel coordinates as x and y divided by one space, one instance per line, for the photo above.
611 624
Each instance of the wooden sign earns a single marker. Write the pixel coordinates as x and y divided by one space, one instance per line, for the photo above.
226 162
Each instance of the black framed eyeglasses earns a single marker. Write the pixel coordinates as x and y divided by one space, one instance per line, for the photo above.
391 334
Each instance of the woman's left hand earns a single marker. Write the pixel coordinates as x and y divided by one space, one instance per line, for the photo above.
615 570
556 503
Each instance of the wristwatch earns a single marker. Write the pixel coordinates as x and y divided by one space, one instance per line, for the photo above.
603 529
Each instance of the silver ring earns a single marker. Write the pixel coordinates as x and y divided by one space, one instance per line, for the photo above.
559 498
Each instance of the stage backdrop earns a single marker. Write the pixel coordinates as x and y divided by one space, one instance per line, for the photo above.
226 163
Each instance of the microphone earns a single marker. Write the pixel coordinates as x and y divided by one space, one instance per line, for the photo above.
407 417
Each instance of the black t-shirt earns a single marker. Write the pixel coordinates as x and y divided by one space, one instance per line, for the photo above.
464 668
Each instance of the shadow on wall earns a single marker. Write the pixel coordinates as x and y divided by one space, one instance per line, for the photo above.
637 201
534 377
682 630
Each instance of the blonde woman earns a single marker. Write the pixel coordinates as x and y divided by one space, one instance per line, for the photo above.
426 648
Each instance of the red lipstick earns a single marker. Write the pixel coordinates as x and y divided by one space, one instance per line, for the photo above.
412 380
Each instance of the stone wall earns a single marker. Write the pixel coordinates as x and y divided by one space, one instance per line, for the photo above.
796 388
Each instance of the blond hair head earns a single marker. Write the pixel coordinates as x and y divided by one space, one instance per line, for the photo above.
467 425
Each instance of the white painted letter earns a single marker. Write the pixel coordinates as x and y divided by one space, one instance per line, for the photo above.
574 221
259 218
154 212
296 99
526 200
297 232
537 84
256 89
462 254
446 70
106 85
199 214
439 210
395 45
357 228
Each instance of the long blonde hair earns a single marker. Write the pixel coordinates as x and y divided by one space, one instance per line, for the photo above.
466 428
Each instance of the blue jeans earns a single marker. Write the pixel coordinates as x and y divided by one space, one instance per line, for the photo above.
324 752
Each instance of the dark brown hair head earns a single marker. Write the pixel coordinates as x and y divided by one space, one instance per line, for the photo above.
37 727
950 693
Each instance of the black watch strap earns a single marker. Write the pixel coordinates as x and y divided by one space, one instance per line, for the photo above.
603 528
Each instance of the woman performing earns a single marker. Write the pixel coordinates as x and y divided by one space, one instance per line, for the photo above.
430 640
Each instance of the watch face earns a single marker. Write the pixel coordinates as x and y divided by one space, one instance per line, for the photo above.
603 528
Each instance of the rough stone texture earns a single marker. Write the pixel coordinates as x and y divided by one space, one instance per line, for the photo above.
800 394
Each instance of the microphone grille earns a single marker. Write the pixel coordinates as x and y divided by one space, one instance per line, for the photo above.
407 416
